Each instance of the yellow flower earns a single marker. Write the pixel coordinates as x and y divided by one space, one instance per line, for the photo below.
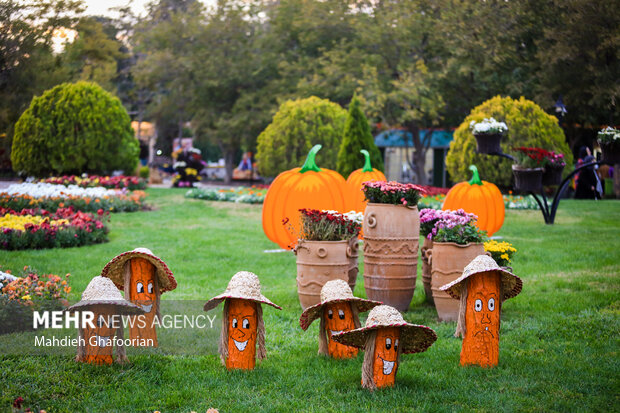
26 297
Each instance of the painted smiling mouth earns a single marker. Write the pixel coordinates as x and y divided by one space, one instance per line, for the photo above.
388 366
336 332
102 341
147 308
240 344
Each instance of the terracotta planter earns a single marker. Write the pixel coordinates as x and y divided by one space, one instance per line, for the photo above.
488 143
527 180
391 234
611 152
317 263
552 175
426 269
448 260
353 254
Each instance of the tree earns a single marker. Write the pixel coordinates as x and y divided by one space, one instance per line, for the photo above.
74 128
296 128
528 125
356 137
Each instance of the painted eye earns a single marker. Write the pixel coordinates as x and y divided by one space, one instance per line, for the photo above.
478 305
235 323
491 304
396 345
330 314
341 314
246 323
100 321
388 343
140 287
150 288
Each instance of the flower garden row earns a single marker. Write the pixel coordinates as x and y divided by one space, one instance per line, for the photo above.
87 181
46 215
433 198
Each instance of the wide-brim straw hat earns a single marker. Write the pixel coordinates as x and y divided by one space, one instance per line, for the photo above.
335 291
102 291
511 284
244 285
115 269
413 338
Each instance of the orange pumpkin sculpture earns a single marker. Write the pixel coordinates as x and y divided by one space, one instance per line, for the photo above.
384 338
143 277
243 328
478 197
338 312
356 200
481 290
96 342
306 187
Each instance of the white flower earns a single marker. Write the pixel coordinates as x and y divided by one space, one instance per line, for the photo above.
488 126
43 190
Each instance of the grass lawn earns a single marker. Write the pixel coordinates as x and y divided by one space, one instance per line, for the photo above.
559 347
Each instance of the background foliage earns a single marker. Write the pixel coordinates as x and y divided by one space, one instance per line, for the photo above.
74 128
296 128
528 125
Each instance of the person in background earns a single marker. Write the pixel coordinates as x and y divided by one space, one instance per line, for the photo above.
588 185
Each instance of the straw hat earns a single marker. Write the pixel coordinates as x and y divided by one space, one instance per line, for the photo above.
102 290
413 338
511 284
335 291
245 285
115 269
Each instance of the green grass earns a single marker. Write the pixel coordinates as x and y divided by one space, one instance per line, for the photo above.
559 344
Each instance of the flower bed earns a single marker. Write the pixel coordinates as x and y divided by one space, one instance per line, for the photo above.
36 228
23 295
112 182
52 197
252 195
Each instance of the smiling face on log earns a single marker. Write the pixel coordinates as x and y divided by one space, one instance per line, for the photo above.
338 318
385 361
242 333
143 293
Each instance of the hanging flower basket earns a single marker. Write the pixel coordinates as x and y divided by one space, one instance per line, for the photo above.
488 143
527 179
611 152
552 175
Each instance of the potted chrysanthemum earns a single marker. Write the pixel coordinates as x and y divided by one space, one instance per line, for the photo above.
609 140
488 134
391 234
326 250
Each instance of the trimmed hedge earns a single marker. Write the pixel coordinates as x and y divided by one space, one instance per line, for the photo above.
74 128
528 125
296 128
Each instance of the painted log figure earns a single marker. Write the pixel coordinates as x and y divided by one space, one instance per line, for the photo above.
96 342
481 290
242 338
384 338
338 312
143 277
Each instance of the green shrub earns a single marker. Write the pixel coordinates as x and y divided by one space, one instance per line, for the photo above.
357 136
528 125
144 172
296 128
74 128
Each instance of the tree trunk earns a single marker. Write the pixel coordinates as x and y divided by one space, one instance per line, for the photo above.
418 159
229 156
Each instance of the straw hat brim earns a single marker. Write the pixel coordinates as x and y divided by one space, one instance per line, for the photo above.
312 313
511 284
124 307
115 270
413 338
215 301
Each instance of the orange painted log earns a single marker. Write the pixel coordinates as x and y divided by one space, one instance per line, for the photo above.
386 357
242 334
339 318
143 294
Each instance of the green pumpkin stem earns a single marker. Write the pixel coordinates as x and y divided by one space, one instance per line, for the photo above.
310 164
475 178
367 166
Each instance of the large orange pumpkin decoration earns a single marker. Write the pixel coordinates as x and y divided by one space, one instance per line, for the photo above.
481 290
478 197
355 199
306 187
